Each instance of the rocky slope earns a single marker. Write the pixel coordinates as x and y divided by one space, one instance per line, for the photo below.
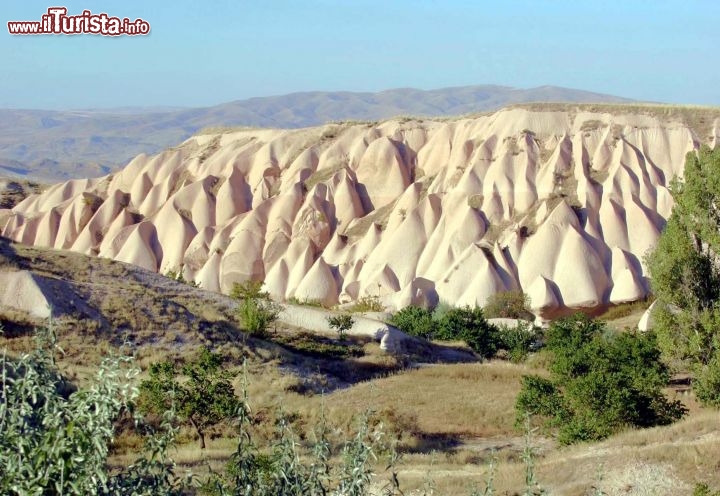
560 201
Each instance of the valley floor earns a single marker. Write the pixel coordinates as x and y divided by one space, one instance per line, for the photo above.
448 419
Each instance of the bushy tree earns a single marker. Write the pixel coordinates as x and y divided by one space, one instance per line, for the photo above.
601 382
707 384
415 321
258 315
508 305
204 399
469 324
519 340
52 442
685 270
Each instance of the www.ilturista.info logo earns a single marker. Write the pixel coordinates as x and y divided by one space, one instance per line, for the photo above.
56 21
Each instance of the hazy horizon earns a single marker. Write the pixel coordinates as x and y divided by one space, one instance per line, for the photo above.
196 56
119 109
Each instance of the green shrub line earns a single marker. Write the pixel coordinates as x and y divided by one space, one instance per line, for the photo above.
317 346
469 325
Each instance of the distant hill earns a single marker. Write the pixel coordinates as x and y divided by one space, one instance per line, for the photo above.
56 145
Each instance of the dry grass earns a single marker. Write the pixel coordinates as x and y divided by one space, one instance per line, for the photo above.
659 461
224 129
625 315
475 201
699 119
455 400
448 417
120 302
463 411
592 125
678 455
621 310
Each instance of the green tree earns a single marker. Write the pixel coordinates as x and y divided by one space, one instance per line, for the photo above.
601 382
341 323
707 384
685 270
204 399
258 315
519 340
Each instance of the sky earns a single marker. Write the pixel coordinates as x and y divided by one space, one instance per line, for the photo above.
653 50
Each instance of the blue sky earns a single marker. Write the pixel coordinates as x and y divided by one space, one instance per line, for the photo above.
651 50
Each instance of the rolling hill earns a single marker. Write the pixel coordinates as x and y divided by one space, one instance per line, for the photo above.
58 145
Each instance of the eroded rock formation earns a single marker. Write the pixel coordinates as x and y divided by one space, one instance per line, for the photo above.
561 204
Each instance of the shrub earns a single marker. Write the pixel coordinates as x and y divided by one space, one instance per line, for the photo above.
311 344
251 471
509 305
249 290
441 309
358 455
707 384
367 304
415 321
257 311
601 382
177 275
258 315
469 325
52 440
541 397
703 489
518 340
341 323
450 324
306 302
